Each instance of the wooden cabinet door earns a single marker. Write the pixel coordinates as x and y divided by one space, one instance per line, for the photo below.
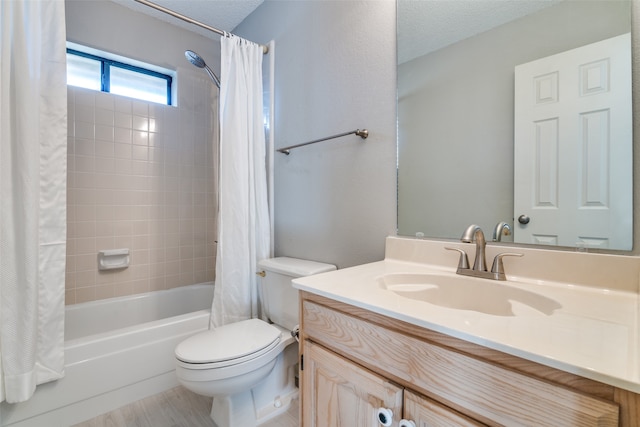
339 393
427 413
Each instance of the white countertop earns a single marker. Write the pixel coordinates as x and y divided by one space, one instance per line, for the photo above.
594 334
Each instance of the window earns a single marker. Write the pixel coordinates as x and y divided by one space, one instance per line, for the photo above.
98 73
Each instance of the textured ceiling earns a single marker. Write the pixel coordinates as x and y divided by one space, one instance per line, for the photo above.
427 25
224 15
423 25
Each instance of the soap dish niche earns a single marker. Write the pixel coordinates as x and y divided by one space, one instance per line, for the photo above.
113 259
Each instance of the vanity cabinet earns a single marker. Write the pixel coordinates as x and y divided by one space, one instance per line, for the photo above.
339 392
354 362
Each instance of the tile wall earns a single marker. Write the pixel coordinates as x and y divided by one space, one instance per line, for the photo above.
141 176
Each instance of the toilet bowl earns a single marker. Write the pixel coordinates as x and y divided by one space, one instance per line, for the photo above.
249 367
247 357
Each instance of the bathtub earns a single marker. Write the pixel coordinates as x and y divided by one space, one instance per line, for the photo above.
117 351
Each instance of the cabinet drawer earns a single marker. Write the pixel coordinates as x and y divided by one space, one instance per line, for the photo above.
486 392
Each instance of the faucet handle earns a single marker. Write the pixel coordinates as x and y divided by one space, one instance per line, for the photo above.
498 266
463 263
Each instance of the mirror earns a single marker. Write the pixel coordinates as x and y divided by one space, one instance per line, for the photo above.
473 76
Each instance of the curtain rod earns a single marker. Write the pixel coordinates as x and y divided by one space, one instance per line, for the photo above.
163 9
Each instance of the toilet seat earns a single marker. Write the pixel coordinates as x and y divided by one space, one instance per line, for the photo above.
228 345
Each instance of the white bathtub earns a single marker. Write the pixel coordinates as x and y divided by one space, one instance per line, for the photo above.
117 351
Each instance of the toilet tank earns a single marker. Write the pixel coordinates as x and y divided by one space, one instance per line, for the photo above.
279 297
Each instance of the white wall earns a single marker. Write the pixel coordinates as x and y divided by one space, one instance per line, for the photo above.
335 201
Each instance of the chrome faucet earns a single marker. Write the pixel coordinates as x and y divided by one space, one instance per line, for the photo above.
502 228
474 233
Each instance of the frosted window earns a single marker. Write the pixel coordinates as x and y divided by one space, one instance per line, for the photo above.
95 72
137 85
84 72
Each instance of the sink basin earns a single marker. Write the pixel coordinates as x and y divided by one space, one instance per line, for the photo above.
467 293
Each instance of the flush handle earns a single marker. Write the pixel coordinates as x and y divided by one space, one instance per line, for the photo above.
261 273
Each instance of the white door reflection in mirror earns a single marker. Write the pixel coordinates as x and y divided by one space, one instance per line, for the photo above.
573 147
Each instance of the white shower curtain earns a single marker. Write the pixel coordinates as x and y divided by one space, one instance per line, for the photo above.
33 161
243 223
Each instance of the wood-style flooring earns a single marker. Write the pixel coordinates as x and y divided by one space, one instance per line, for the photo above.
177 407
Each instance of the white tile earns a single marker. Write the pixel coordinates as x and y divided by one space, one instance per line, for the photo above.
84 164
105 165
84 147
139 137
104 100
122 151
139 167
122 120
140 108
104 116
157 110
122 104
104 132
122 135
84 114
85 180
104 149
83 196
84 130
123 166
85 97
154 125
155 140
140 123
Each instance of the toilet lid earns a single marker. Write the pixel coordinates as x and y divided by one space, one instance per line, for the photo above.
228 342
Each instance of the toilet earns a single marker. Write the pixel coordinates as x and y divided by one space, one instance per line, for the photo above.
249 367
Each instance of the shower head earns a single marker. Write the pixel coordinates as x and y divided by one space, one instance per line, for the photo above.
194 58
197 60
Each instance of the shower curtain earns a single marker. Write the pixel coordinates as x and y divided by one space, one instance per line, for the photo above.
33 156
243 221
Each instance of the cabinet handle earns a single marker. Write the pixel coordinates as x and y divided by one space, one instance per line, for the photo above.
385 416
406 423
